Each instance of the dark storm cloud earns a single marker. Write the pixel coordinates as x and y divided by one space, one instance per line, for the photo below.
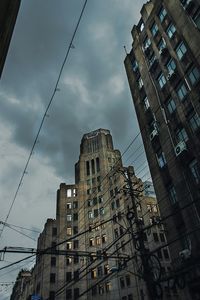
93 92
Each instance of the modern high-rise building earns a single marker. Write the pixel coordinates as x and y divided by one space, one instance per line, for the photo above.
8 14
163 70
93 244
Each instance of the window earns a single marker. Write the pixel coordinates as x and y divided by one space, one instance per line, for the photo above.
162 237
101 289
98 240
123 246
68 261
171 65
69 218
134 65
172 194
51 295
75 204
108 287
171 30
54 231
146 103
96 212
53 261
196 18
181 135
91 242
106 269
117 203
93 273
69 231
182 91
162 44
88 168
100 199
69 245
121 230
93 166
166 253
75 229
69 193
149 207
76 293
159 253
90 215
99 271
194 122
155 237
68 294
130 297
76 244
75 217
194 168
141 26
76 259
171 105
161 159
154 29
116 233
140 83
128 280
181 50
162 14
104 238
97 164
76 275
52 277
101 211
68 276
122 283
94 290
146 43
161 80
69 205
194 75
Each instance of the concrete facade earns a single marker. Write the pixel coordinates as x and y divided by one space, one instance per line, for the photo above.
163 70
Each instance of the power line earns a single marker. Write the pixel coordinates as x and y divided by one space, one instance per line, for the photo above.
44 116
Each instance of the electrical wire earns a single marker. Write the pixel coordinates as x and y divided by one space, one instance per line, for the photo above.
44 116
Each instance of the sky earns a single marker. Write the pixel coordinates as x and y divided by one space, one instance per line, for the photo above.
93 93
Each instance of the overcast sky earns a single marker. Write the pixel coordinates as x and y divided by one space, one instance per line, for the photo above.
94 93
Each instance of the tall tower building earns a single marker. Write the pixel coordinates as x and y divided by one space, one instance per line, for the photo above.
8 14
94 238
163 70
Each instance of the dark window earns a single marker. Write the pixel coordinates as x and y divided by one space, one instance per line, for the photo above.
95 201
96 212
194 122
172 194
154 29
68 294
171 105
88 167
75 244
117 203
93 166
162 14
128 280
162 237
97 164
182 91
116 232
122 283
161 159
76 293
159 253
76 275
51 295
130 297
75 204
181 50
194 168
161 80
76 259
181 135
121 230
171 30
75 217
68 276
155 237
166 253
52 277
54 231
53 261
122 246
194 75
112 205
75 229
100 271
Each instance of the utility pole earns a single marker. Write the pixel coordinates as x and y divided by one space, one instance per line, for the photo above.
133 218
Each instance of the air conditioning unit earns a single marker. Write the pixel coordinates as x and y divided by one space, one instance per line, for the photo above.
180 147
185 254
153 134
